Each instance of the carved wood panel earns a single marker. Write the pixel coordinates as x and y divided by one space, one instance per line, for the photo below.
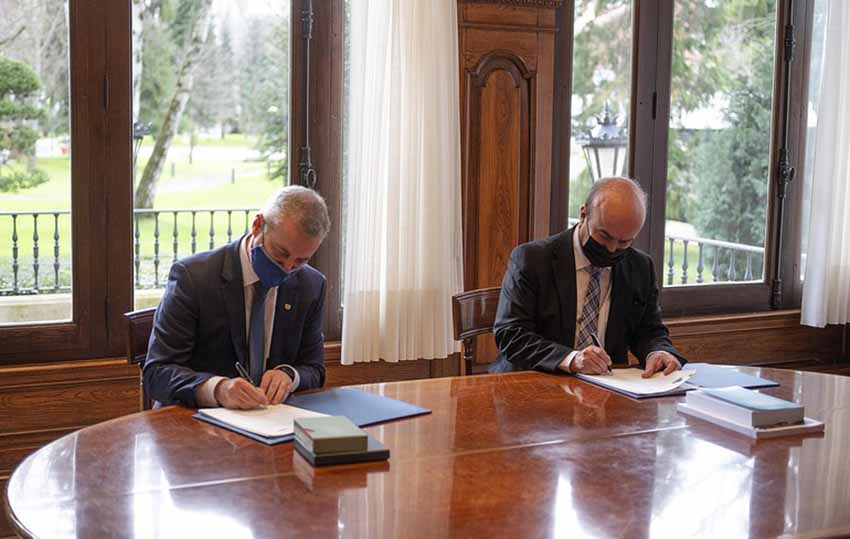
507 87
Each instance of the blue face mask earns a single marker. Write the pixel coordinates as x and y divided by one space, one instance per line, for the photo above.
269 271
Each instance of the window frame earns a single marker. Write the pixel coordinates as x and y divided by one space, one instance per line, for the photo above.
101 206
319 101
648 143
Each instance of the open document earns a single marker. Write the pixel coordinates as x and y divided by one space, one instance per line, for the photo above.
631 383
271 421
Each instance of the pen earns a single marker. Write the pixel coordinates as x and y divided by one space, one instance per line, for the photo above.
244 374
597 343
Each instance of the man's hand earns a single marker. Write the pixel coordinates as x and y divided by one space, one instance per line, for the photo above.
659 361
275 385
239 394
591 360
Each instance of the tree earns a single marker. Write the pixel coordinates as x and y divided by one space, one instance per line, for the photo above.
214 97
733 164
18 86
274 134
192 30
35 32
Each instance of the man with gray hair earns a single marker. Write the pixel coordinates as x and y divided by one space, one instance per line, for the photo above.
241 326
581 300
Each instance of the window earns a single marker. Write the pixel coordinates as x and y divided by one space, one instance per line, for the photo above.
35 164
696 91
62 249
601 96
718 153
211 128
317 129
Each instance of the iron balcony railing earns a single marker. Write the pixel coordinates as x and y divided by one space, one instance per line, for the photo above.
162 236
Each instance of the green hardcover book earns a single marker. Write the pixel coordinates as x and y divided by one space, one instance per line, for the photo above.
332 434
375 451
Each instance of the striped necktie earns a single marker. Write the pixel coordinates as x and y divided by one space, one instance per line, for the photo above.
589 318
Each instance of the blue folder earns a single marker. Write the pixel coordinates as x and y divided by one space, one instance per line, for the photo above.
711 376
361 407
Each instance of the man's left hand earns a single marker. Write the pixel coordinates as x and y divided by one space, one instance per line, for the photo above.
659 361
275 385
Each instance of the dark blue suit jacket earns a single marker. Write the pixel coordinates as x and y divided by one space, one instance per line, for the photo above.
199 327
536 318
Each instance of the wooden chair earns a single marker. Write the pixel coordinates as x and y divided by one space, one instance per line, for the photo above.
473 313
139 327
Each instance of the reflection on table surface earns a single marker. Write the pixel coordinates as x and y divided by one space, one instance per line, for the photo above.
523 454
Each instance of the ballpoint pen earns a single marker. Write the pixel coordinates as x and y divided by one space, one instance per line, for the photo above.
597 343
244 374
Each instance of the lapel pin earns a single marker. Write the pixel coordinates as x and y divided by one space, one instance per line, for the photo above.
287 307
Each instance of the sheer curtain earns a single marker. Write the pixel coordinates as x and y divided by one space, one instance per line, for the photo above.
403 244
826 292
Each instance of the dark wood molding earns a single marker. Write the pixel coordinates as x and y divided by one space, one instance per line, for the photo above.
845 344
326 132
549 4
562 125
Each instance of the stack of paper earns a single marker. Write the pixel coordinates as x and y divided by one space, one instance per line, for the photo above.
271 421
632 383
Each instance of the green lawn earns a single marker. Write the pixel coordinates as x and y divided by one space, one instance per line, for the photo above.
204 184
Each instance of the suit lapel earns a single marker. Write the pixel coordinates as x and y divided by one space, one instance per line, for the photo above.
620 286
285 313
234 300
564 267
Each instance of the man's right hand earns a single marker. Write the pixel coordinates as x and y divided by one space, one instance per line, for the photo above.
591 360
239 394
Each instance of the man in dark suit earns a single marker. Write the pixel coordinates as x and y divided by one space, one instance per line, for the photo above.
579 301
255 301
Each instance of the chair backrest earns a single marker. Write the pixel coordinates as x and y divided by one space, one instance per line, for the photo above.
473 313
139 327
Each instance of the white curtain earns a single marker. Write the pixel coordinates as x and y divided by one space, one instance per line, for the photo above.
402 235
826 290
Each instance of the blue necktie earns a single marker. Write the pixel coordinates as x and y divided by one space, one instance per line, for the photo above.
590 310
257 333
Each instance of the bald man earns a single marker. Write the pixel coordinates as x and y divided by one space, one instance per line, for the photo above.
581 300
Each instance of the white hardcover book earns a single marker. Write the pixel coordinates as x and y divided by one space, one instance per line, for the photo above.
747 406
806 427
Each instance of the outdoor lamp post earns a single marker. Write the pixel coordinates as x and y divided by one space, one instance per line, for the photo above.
605 146
140 130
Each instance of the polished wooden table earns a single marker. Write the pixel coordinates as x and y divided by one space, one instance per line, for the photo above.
515 455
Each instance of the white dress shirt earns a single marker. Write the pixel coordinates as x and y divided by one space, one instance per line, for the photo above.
205 393
582 281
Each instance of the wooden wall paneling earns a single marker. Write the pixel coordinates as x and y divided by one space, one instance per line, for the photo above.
507 62
774 338
6 531
338 374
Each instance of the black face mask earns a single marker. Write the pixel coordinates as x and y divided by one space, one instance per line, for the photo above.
598 255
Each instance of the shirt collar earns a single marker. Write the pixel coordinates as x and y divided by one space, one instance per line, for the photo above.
581 260
249 276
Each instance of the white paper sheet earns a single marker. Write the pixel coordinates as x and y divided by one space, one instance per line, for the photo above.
271 421
630 380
